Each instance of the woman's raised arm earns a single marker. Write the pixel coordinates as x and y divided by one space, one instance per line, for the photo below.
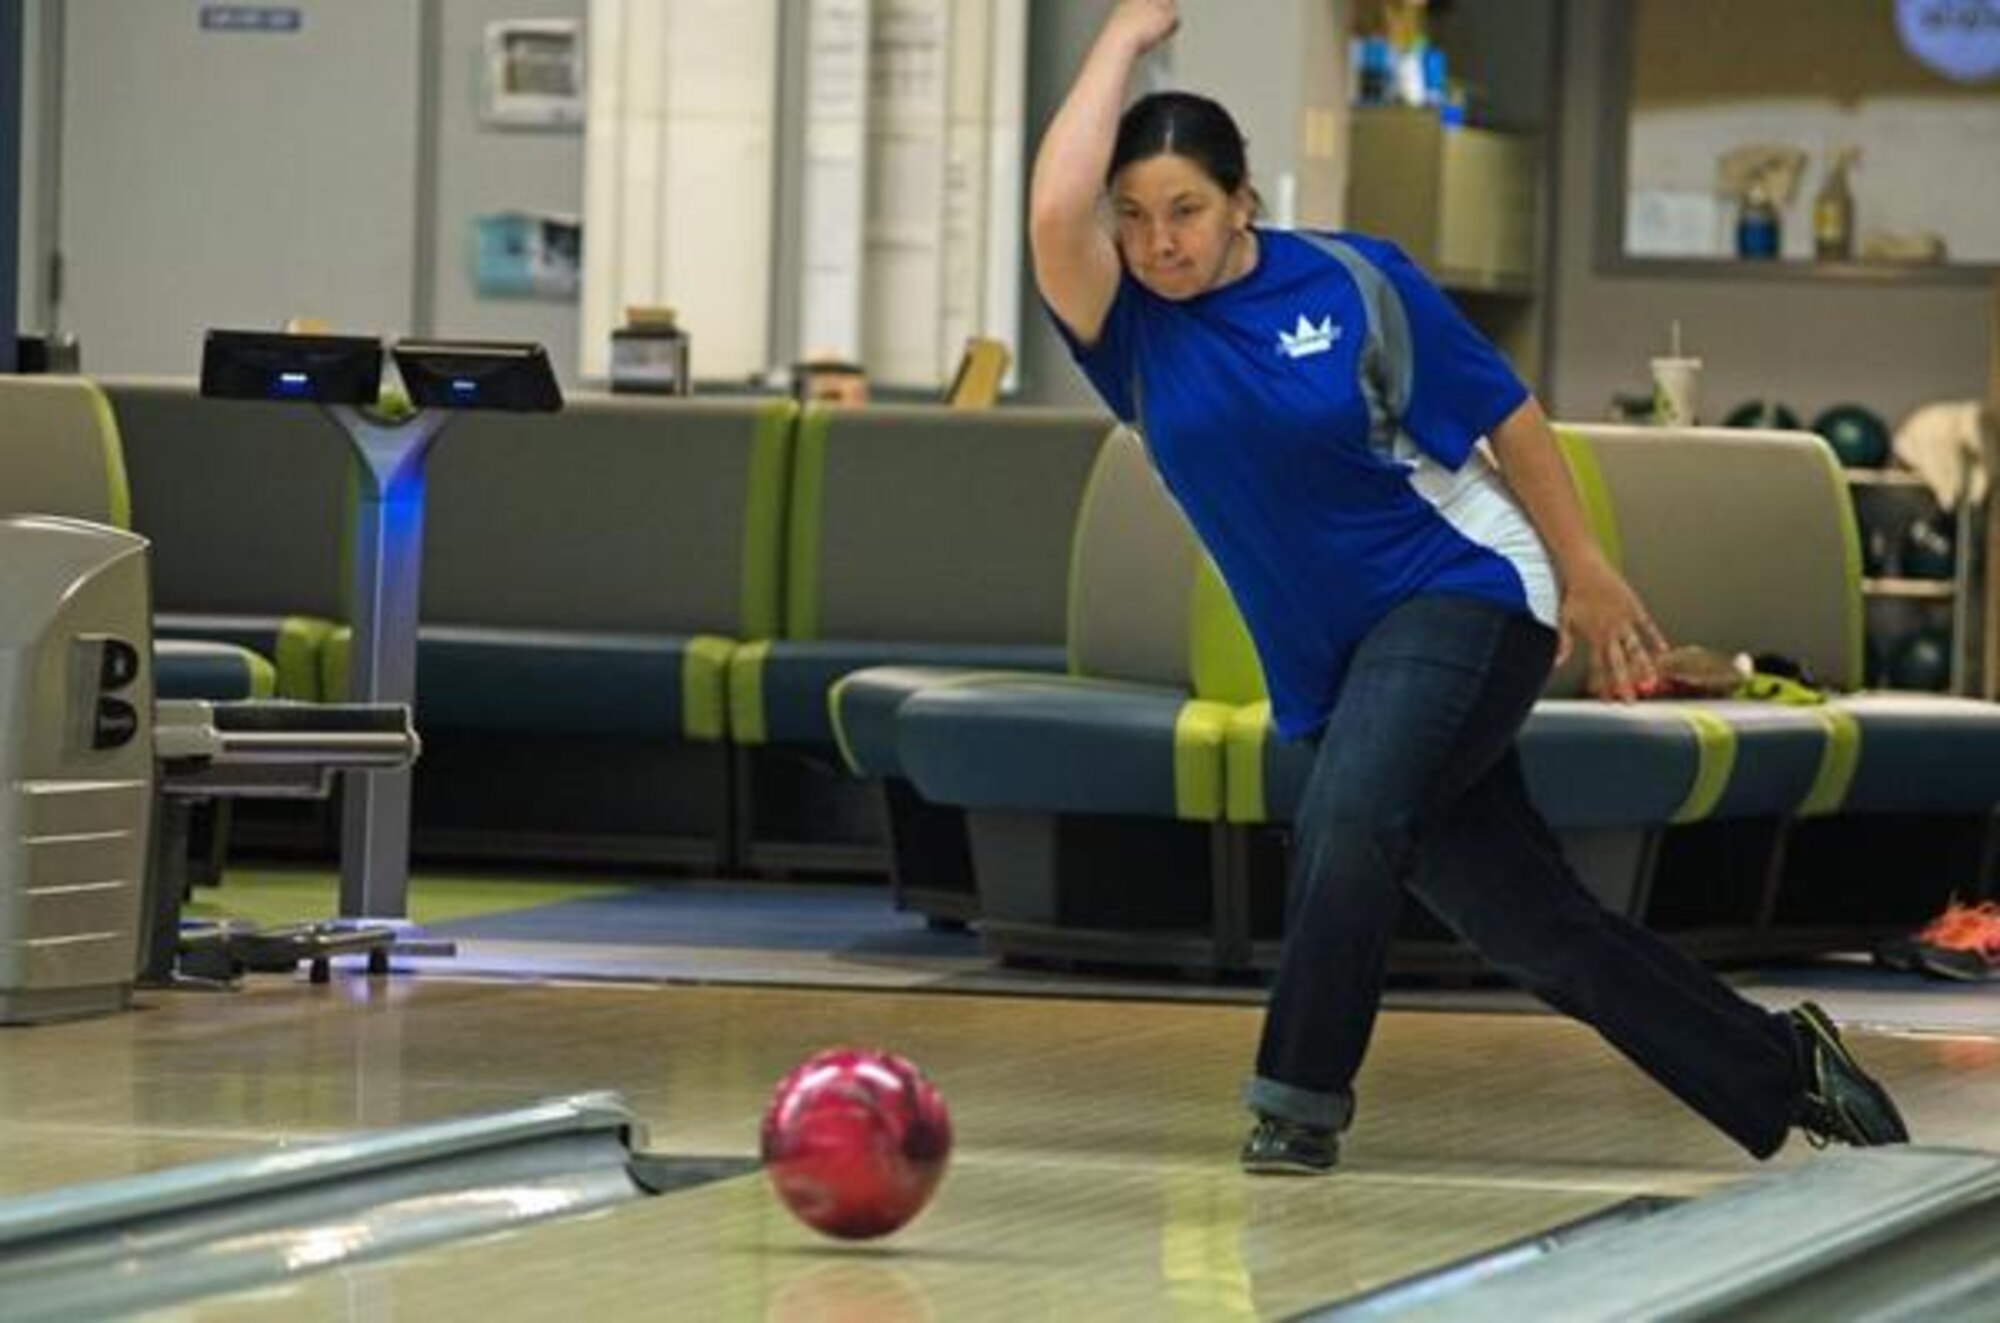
1076 262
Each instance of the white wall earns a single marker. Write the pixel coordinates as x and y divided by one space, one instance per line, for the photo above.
372 114
680 203
477 169
32 190
234 178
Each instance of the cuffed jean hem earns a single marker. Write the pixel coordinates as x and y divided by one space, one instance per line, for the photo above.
1328 1111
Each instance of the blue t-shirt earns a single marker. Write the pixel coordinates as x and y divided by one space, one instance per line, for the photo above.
1316 419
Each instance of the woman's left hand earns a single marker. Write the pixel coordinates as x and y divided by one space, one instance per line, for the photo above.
1602 614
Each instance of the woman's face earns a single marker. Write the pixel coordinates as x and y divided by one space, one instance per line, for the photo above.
1179 233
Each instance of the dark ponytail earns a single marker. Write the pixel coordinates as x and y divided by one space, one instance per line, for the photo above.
1182 124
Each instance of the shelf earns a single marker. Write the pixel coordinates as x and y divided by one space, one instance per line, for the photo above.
1854 274
1935 590
1460 280
1883 478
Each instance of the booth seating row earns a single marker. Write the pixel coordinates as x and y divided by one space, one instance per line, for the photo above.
648 624
631 609
1135 810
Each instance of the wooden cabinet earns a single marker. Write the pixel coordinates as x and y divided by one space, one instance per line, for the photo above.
1465 203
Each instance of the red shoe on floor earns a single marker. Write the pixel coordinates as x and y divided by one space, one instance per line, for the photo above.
1967 950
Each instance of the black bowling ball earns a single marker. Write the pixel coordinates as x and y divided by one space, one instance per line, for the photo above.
1927 551
1921 661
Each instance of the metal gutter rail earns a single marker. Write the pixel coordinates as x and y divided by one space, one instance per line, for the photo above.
140 1242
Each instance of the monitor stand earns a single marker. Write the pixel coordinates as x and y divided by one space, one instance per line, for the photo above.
382 666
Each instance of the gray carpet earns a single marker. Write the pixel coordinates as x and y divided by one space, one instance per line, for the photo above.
850 936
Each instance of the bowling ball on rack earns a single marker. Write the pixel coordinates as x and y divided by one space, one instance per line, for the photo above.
1878 551
855 1141
1765 414
1921 661
1858 436
1928 550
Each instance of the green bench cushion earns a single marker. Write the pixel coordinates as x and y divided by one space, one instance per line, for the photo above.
217 672
1594 764
1921 753
1064 744
293 643
863 706
626 686
780 690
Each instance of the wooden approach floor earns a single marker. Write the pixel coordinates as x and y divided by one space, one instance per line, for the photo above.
1094 1176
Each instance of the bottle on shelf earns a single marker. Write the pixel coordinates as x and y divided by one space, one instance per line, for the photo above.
1757 224
1833 212
649 354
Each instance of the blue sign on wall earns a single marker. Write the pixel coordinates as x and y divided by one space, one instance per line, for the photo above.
251 18
1958 38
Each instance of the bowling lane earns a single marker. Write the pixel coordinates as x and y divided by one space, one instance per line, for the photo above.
1007 1238
1095 1141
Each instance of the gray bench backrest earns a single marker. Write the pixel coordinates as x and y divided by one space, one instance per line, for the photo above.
59 451
1133 568
935 524
1738 540
247 504
620 513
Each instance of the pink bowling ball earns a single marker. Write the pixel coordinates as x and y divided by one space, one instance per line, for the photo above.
855 1141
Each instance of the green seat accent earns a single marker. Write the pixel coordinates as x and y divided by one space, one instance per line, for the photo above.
705 687
1200 732
297 650
1590 489
1837 765
114 458
802 539
746 692
1716 744
1243 763
336 657
263 678
771 457
1221 655
1850 563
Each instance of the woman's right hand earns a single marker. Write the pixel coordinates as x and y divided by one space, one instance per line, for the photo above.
1144 23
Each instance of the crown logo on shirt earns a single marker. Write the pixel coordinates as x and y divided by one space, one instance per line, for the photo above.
1306 339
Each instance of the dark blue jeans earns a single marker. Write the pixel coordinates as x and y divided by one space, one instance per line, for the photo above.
1417 785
